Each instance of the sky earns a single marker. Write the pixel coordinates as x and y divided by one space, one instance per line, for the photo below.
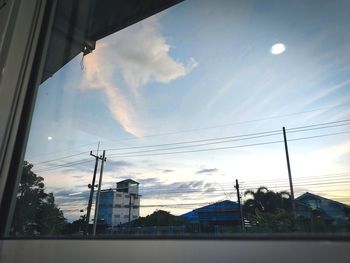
198 72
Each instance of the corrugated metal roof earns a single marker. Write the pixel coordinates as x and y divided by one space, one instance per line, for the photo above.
218 212
308 195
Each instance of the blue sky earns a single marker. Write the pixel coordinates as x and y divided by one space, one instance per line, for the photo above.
179 75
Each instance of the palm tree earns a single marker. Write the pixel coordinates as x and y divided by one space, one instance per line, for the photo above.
264 200
257 200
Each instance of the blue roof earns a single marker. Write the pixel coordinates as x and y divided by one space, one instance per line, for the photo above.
311 195
220 211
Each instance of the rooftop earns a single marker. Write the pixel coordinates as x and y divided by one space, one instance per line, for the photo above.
129 181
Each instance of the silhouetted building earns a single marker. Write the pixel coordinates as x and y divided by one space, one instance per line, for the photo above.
119 205
336 212
225 213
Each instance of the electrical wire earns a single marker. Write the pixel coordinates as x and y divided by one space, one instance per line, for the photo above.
220 139
66 165
230 147
245 137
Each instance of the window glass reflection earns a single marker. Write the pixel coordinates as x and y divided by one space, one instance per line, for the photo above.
188 107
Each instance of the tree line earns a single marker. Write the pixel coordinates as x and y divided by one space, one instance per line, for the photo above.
264 211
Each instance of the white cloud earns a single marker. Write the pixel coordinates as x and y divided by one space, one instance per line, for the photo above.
140 55
326 91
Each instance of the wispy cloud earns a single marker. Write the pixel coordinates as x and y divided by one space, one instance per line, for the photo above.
126 61
168 171
99 75
178 190
207 171
326 92
148 181
113 165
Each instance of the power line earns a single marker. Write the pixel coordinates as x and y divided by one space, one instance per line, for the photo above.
196 145
318 136
262 134
228 147
235 123
334 178
177 204
205 144
293 130
203 150
330 179
267 133
61 158
323 184
220 139
191 204
230 184
65 165
324 123
195 141
230 187
203 128
203 190
69 156
306 177
66 150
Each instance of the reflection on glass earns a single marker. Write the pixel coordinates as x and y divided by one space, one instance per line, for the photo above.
186 102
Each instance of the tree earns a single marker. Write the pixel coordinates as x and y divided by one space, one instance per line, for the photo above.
76 227
36 212
159 218
268 206
264 200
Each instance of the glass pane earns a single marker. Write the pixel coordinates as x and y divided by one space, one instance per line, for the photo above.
188 108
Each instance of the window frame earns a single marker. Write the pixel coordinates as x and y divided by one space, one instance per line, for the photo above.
26 36
34 44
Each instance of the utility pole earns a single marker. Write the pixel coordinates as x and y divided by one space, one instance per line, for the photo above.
129 225
103 159
92 187
289 171
239 205
129 208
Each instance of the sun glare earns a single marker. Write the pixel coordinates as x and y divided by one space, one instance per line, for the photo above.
277 49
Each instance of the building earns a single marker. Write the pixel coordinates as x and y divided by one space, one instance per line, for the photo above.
335 212
120 205
225 213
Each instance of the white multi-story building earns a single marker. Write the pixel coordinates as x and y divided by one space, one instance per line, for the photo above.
120 205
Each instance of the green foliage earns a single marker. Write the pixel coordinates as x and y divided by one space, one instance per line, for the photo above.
76 227
160 218
264 200
269 211
280 221
36 212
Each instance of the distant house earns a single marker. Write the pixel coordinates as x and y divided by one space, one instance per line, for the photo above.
220 213
335 212
120 205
